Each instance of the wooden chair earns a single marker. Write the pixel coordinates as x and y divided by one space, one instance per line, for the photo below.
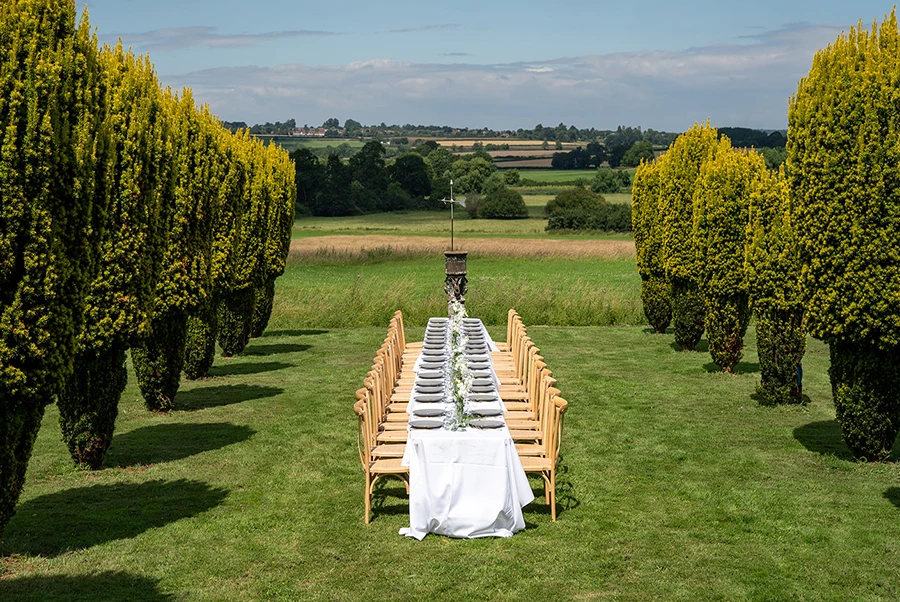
546 465
394 449
372 467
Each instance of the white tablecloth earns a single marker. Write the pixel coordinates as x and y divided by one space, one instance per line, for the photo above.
467 483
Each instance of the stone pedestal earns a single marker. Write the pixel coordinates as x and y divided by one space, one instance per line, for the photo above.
455 284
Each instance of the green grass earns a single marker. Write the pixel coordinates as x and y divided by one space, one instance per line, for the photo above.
675 485
545 291
556 175
291 144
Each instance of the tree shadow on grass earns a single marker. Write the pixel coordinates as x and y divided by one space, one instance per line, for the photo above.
83 517
222 395
242 368
893 496
823 437
702 347
292 333
83 588
805 400
274 349
169 442
741 368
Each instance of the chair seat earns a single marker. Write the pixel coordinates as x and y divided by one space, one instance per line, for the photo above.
390 450
519 424
399 417
525 435
535 464
388 466
393 426
392 436
529 449
397 407
513 395
516 406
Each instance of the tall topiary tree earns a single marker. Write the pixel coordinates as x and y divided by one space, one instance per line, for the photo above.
229 253
278 236
677 182
843 168
185 279
646 222
236 306
721 201
773 275
125 272
47 183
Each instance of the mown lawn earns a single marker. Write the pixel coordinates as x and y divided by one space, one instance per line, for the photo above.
675 485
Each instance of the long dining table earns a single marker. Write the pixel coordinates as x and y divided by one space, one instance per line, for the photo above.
467 482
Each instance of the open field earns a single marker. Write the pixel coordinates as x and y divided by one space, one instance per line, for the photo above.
350 287
675 485
431 223
557 175
353 246
291 143
545 163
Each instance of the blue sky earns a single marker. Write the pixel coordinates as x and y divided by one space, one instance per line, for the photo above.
501 64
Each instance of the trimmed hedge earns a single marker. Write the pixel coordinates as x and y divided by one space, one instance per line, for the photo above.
843 167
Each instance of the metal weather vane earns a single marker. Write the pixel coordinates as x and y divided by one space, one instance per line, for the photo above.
451 201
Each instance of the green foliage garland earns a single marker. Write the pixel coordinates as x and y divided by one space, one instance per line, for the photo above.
843 167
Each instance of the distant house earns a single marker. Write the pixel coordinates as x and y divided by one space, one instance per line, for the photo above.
310 132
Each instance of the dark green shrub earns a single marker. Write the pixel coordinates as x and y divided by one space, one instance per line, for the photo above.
656 298
773 276
609 218
511 176
865 383
688 314
843 170
46 239
610 180
235 317
646 223
89 404
264 297
159 359
503 204
575 199
200 341
677 181
721 209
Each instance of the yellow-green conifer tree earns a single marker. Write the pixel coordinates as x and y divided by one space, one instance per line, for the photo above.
125 272
647 225
843 169
677 182
47 183
773 274
721 202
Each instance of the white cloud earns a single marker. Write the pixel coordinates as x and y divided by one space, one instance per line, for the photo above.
745 84
177 38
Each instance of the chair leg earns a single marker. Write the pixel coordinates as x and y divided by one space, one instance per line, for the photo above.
368 498
553 495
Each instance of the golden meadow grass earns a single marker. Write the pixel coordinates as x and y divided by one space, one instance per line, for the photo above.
350 247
